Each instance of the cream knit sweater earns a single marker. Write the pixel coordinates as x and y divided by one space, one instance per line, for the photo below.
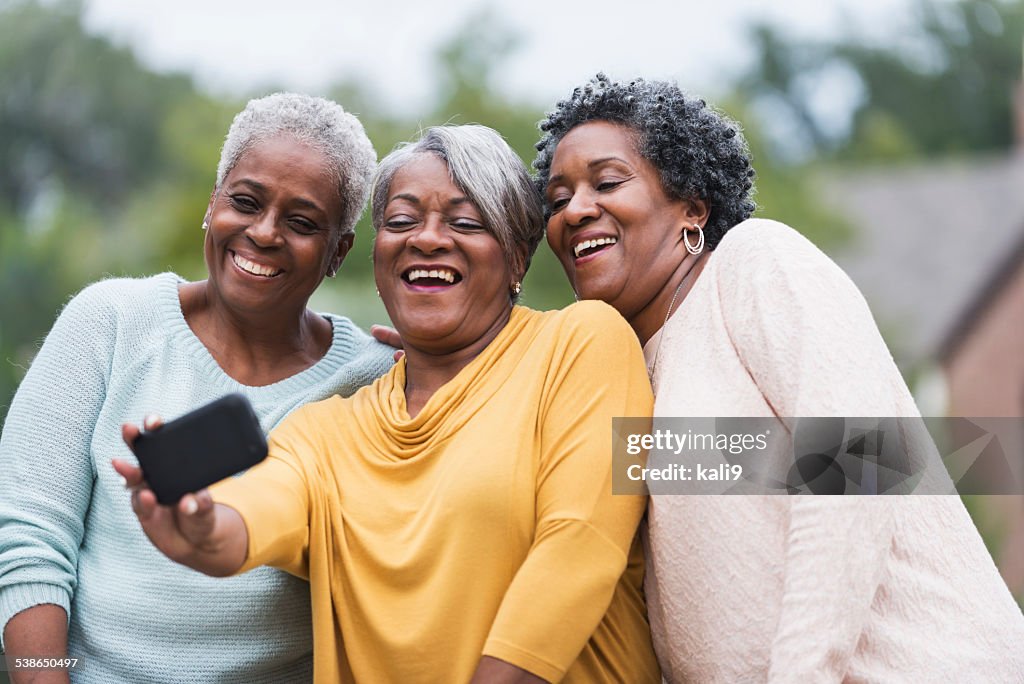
808 589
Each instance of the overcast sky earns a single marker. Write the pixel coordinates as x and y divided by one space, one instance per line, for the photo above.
240 46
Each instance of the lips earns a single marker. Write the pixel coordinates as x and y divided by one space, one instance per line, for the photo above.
431 276
585 246
253 268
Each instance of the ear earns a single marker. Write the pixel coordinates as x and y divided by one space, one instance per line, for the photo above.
345 243
696 211
519 262
209 205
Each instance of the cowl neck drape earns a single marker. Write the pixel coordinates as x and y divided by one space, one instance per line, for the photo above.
383 414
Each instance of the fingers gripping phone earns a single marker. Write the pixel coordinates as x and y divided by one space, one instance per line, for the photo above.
204 446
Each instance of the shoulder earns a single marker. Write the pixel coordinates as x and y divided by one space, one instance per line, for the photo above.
112 299
124 293
758 239
311 425
353 345
591 318
590 328
765 258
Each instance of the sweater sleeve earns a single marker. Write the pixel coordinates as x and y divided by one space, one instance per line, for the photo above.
583 532
806 336
273 499
46 467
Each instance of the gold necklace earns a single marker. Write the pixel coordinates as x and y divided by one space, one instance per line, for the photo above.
668 315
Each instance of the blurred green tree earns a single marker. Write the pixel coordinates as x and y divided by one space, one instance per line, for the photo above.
106 166
943 89
102 162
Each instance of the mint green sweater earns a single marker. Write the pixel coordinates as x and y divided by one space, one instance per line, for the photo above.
120 350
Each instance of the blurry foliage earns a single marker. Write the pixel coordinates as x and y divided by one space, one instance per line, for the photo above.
946 88
106 166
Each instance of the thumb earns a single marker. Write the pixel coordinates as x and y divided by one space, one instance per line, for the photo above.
196 518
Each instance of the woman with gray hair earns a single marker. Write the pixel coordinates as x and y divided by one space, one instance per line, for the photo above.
455 519
77 575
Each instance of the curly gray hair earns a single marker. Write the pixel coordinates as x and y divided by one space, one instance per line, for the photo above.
323 125
698 152
493 177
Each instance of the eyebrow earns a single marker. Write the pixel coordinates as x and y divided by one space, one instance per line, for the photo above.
408 197
301 201
591 164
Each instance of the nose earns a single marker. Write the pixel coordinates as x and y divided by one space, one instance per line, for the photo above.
432 236
263 230
581 208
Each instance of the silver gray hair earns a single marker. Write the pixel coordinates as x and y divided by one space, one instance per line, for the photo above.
322 125
493 177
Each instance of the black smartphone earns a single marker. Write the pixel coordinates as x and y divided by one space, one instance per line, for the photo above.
204 446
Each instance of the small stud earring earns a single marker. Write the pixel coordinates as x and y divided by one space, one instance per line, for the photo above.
205 225
517 287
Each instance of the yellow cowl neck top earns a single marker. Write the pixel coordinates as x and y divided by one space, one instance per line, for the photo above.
486 525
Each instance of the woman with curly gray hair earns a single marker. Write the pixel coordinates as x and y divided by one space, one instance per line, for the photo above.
77 575
648 208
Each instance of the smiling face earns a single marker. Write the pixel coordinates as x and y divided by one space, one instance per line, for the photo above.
274 228
442 275
616 232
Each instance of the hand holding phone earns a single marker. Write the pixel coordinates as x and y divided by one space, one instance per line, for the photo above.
202 447
205 536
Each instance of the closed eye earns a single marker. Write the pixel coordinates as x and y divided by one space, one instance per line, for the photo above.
303 225
244 203
399 223
605 186
467 225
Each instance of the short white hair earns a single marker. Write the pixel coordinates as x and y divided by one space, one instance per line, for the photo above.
323 125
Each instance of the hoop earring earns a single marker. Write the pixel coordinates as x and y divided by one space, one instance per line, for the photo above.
699 247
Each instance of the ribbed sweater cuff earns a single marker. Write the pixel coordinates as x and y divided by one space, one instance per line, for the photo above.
21 597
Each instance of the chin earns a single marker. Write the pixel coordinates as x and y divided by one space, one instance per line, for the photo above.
594 290
427 328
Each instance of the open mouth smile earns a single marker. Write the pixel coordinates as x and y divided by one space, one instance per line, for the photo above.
587 248
252 268
431 279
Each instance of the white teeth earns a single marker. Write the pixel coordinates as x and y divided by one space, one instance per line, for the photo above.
587 244
253 267
443 274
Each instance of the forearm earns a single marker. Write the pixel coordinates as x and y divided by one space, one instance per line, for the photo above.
835 561
494 671
37 632
225 550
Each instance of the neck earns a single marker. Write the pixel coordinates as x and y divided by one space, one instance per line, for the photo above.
429 366
257 348
652 317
